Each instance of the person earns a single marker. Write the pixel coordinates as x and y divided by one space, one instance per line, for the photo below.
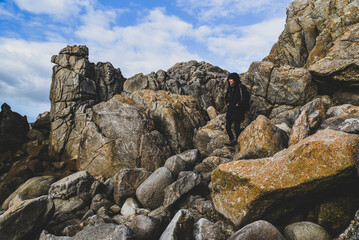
235 107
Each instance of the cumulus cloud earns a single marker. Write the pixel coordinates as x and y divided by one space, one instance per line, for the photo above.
154 43
210 10
246 44
53 7
25 74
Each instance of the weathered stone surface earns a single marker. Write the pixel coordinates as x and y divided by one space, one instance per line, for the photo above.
191 157
117 138
26 219
273 86
350 125
47 236
259 230
306 231
261 139
99 201
245 190
186 182
180 226
79 182
352 232
200 80
76 86
176 165
335 123
105 231
145 227
342 110
13 129
32 188
308 121
151 192
175 116
205 229
207 166
126 181
212 112
211 136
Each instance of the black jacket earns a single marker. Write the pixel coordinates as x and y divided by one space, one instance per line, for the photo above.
236 101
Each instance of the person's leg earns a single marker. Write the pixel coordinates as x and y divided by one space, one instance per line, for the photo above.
237 128
229 123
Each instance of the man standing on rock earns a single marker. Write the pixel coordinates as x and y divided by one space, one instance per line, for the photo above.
237 98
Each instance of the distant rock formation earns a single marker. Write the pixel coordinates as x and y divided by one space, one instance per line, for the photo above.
13 129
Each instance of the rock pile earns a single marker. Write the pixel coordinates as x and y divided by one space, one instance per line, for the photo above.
144 157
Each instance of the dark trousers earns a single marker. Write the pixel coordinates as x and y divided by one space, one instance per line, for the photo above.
233 115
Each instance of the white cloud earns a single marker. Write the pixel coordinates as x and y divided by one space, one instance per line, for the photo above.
4 12
246 44
208 10
154 43
25 74
53 7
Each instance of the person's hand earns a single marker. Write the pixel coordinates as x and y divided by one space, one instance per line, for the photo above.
237 105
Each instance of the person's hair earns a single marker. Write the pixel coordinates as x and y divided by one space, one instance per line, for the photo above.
234 76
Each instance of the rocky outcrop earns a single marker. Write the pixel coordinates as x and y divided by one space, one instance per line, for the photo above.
175 116
13 129
244 190
201 80
322 37
77 85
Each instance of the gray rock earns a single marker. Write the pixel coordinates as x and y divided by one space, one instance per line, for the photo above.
259 230
186 182
352 231
154 150
126 181
180 226
151 192
79 182
211 136
47 236
191 157
335 123
312 115
34 187
99 201
350 126
129 207
200 80
71 204
145 227
163 215
176 165
114 139
26 219
205 229
306 231
99 231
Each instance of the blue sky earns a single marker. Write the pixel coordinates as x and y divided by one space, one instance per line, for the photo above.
135 36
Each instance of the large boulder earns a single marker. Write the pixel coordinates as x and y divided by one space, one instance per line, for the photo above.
211 136
32 188
176 116
261 139
244 190
25 219
13 129
118 137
